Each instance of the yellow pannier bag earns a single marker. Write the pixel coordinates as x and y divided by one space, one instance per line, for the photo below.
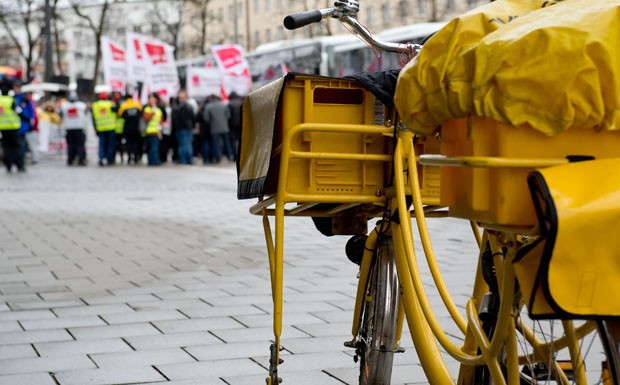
572 269
551 68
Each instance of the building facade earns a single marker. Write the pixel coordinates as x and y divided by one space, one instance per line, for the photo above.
255 22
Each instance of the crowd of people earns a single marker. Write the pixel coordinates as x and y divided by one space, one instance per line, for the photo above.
178 130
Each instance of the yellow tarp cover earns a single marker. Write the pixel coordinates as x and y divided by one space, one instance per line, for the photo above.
548 64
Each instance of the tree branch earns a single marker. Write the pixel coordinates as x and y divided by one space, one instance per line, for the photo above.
89 21
14 38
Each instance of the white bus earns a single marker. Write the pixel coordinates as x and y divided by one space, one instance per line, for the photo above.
358 57
312 56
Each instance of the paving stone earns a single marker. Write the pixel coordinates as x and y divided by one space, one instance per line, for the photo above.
141 358
218 311
44 304
210 369
201 324
27 379
50 349
313 361
117 299
44 364
143 316
92 310
62 323
34 336
264 320
315 344
197 381
256 334
228 351
326 330
16 351
26 315
109 376
297 378
112 331
9 326
173 340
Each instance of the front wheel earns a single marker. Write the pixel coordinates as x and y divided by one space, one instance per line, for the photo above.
377 336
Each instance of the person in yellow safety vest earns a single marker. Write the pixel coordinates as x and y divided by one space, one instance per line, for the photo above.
119 129
11 116
104 119
153 116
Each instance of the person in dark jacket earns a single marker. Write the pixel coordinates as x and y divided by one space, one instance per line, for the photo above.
234 123
11 116
27 120
182 126
131 112
204 134
216 114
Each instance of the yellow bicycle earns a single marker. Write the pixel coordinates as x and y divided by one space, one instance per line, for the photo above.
341 157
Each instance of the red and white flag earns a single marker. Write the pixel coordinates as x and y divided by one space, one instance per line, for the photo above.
114 64
203 82
235 68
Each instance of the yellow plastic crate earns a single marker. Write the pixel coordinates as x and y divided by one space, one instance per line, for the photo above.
311 99
501 195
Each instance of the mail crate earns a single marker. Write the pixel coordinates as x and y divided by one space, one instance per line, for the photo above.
501 195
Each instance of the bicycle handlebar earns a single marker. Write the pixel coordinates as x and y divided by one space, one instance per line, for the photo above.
302 19
347 15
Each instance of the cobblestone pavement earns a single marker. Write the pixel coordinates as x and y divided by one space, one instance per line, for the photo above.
137 275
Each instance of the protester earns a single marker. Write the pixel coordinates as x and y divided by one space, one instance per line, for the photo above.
104 119
119 128
27 119
204 134
131 112
217 114
73 113
183 125
153 115
11 115
234 123
32 137
168 141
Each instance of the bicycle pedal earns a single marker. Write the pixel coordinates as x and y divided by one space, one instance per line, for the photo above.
349 344
400 350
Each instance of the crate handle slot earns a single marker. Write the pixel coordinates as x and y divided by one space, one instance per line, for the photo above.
338 96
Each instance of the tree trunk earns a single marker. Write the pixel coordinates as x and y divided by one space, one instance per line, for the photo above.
98 34
204 18
57 38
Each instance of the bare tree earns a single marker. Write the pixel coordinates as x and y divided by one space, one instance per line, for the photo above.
172 26
96 26
28 15
57 43
199 18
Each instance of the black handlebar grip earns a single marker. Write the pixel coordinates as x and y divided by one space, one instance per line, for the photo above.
299 20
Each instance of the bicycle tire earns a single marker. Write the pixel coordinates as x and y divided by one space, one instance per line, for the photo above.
377 337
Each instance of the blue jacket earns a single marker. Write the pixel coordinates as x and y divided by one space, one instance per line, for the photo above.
28 112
